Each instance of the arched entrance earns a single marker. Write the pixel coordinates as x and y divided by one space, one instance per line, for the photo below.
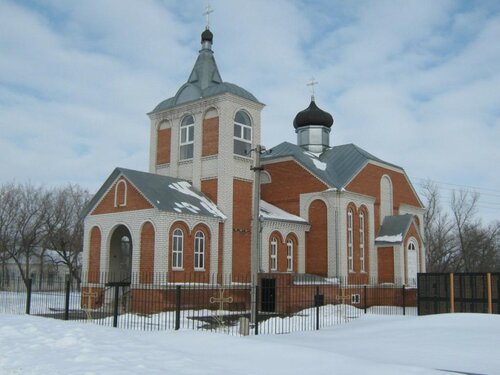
120 260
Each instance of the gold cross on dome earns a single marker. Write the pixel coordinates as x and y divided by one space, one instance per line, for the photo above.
312 83
206 13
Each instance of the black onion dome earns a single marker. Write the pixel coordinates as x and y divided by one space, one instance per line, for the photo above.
207 36
313 115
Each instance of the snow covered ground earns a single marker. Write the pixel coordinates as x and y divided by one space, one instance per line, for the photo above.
371 344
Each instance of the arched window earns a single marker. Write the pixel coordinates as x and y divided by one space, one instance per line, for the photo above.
242 134
350 259
412 257
362 241
385 197
274 254
121 194
289 255
125 245
199 251
177 248
187 138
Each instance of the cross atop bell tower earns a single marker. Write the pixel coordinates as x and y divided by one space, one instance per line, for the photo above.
206 13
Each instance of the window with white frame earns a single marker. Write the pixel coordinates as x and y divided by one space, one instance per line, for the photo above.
187 138
177 248
274 254
242 134
289 255
362 241
199 250
412 258
350 259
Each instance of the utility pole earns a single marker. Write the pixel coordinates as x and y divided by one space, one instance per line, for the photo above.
255 248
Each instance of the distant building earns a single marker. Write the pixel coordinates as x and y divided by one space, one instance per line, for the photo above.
327 211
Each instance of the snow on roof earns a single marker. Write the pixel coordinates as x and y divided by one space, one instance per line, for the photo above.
315 159
393 239
270 212
185 187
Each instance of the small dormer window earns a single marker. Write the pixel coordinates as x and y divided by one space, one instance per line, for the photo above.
242 134
121 194
187 138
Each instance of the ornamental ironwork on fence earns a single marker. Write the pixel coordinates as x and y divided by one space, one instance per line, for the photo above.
285 302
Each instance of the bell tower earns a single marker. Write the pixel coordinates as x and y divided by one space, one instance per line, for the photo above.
204 134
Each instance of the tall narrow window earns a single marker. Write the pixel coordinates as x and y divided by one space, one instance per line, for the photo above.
199 251
362 241
187 138
242 134
412 263
289 255
121 194
177 248
350 259
274 254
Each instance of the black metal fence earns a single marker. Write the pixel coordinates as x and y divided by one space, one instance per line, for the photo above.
458 292
282 302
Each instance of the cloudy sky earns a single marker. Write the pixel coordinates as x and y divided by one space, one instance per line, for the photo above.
417 83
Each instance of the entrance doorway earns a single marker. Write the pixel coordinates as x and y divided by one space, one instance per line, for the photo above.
120 262
268 295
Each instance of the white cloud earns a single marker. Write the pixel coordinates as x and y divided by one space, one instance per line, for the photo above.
415 84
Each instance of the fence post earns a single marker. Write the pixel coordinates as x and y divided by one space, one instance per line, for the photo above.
177 307
257 310
66 300
452 293
317 302
364 297
28 296
490 299
115 307
404 299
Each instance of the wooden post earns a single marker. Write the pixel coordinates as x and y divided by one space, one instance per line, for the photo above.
490 300
452 293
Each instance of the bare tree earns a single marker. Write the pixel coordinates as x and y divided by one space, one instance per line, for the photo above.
8 207
30 205
64 226
441 253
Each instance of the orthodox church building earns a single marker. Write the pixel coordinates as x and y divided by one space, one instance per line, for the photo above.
328 211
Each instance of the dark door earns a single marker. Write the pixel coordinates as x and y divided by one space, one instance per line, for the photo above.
268 295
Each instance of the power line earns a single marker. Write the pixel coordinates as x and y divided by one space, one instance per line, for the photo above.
423 180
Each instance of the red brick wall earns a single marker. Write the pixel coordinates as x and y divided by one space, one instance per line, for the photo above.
317 240
289 180
242 219
135 201
188 273
385 264
163 146
367 182
210 143
209 188
94 255
147 255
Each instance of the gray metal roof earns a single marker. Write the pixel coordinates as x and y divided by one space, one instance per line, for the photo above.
163 192
335 166
204 81
393 229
